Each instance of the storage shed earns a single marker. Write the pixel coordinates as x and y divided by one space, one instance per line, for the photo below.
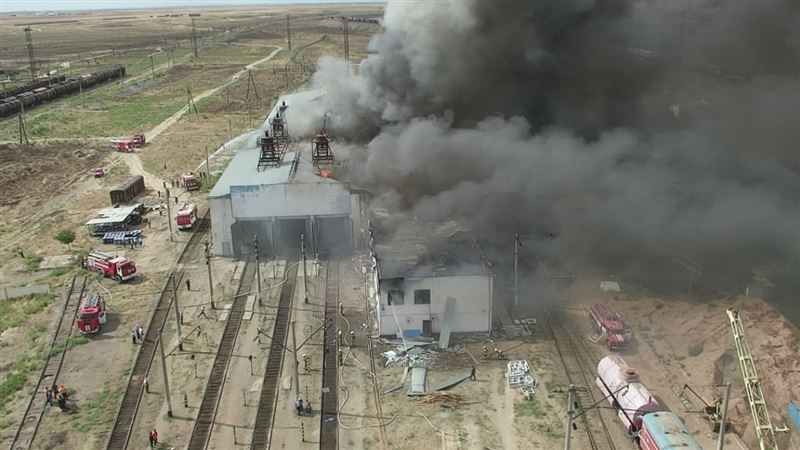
127 191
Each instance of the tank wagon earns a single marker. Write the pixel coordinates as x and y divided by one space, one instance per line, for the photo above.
14 104
16 90
637 409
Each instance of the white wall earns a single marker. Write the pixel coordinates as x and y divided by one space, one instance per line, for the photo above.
221 221
473 295
290 200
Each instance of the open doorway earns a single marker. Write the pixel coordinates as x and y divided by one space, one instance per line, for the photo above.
289 231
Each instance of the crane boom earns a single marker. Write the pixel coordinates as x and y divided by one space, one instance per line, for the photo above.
752 384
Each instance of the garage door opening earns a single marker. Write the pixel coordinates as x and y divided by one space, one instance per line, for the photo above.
289 231
334 234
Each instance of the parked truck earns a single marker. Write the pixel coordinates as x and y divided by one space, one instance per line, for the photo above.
189 181
110 266
186 216
92 313
128 145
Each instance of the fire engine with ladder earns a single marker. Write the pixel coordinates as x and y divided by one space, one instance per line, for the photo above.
127 145
752 385
186 216
609 327
110 266
91 314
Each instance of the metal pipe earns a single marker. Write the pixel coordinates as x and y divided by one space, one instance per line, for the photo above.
568 426
177 312
294 358
721 440
164 371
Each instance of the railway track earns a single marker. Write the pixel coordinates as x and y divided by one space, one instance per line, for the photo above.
328 434
216 380
265 417
579 365
52 368
123 422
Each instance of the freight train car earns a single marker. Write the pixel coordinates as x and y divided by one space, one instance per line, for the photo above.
37 96
127 191
638 410
620 384
16 90
666 431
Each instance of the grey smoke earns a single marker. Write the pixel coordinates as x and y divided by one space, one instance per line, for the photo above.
530 116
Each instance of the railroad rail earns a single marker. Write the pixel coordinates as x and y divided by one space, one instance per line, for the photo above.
574 354
216 380
265 417
52 368
129 407
328 426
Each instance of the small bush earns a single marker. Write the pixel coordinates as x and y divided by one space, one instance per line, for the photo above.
696 349
528 408
65 236
659 305
32 261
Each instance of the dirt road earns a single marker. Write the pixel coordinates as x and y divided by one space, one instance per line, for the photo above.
160 128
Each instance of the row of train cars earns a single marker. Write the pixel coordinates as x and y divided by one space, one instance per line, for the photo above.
638 409
13 100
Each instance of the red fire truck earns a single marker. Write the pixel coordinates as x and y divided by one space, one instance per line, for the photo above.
187 216
111 266
92 313
607 323
127 145
189 181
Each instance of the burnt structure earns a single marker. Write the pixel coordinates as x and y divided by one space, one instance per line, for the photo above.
321 149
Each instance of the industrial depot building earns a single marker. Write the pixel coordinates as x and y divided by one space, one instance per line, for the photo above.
280 201
429 278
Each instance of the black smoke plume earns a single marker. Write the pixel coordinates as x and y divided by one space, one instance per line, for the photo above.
633 130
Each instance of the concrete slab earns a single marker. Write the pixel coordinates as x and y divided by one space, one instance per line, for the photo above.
56 261
224 314
248 307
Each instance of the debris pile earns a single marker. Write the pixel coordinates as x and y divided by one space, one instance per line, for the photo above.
518 375
445 400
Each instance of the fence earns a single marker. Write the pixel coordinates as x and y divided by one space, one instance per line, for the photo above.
7 293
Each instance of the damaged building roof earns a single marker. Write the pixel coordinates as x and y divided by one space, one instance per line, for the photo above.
406 248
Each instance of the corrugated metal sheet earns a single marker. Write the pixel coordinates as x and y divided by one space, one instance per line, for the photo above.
418 381
447 322
794 415
666 431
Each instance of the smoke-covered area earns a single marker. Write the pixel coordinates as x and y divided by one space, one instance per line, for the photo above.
631 130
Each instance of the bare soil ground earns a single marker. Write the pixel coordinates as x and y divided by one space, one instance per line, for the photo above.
47 187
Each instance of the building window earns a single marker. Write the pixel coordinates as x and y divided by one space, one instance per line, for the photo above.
422 297
396 297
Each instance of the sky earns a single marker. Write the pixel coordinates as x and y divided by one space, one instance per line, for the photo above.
72 5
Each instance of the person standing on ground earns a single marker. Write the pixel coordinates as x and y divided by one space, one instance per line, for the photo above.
63 391
202 312
153 438
472 375
133 336
139 333
62 402
146 385
48 396
188 285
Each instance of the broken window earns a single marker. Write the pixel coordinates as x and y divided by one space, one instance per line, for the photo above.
396 297
422 296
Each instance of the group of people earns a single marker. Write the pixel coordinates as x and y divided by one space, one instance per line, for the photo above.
59 393
298 405
137 334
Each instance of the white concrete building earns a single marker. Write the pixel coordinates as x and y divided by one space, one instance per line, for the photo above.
418 269
282 202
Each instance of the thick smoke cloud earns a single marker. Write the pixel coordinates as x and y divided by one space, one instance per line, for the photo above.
632 130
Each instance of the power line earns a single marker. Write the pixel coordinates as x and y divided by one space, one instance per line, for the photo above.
31 56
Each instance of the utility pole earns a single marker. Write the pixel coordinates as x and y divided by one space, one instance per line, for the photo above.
152 67
294 357
258 269
208 266
190 101
169 215
288 33
164 371
194 40
177 312
305 268
570 412
208 169
31 56
721 440
23 128
516 270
